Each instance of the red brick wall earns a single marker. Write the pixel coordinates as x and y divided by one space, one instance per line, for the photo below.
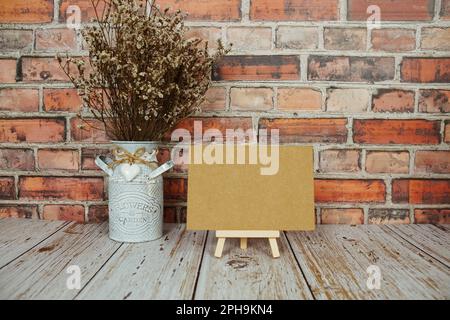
374 103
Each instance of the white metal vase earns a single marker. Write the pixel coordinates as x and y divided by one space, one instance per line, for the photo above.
135 191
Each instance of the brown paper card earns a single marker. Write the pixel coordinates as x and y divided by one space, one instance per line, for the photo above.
239 197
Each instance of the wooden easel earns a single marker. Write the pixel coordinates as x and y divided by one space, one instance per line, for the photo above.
244 235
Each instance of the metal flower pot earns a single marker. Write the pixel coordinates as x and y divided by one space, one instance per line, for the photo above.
135 191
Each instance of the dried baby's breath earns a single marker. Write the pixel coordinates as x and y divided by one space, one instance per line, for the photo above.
143 74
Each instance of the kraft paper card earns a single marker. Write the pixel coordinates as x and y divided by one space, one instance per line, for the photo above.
239 197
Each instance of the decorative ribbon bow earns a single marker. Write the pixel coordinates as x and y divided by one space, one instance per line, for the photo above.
123 156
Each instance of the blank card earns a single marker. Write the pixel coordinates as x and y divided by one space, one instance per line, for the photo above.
244 190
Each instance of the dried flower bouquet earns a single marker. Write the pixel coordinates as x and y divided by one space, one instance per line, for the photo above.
143 74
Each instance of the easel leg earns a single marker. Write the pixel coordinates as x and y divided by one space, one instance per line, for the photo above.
244 235
274 246
243 243
219 247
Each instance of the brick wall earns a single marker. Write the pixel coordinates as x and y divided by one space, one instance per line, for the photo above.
374 104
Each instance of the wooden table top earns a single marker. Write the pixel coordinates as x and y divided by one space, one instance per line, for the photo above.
329 263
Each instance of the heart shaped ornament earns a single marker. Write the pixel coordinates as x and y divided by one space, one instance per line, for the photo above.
129 171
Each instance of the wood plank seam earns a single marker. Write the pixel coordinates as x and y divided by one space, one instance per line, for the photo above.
335 259
244 274
98 270
397 233
163 269
299 266
38 243
200 266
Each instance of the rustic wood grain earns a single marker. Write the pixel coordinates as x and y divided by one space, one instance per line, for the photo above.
334 260
432 240
162 269
250 274
20 235
329 263
41 272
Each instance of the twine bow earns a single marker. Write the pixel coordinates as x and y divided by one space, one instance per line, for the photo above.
123 156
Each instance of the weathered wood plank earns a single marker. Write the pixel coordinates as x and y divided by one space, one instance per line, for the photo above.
335 259
41 272
250 274
35 255
162 269
20 235
431 239
445 227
